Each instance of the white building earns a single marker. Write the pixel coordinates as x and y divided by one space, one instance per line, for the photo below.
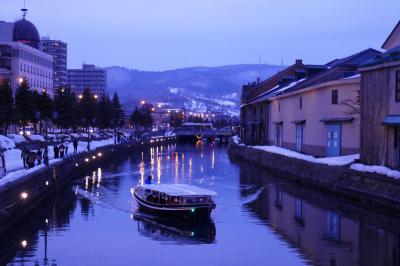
88 77
20 57
57 49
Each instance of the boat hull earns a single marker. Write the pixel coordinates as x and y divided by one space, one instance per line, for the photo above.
190 212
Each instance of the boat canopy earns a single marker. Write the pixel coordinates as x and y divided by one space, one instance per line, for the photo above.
179 190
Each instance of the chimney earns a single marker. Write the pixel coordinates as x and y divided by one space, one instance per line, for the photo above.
258 81
299 62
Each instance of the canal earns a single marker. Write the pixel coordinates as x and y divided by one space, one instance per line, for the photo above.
260 219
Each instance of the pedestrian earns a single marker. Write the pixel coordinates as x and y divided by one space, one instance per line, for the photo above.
3 168
66 148
75 143
62 149
31 158
46 157
24 154
39 156
56 151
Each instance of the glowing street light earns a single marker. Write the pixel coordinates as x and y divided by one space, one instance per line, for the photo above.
142 102
24 243
20 80
24 195
80 96
96 96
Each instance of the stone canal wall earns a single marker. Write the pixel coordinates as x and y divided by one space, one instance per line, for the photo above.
21 196
372 189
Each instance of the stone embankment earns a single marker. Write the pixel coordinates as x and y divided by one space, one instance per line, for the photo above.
375 190
21 196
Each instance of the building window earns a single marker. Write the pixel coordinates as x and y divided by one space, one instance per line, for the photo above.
398 86
335 97
301 102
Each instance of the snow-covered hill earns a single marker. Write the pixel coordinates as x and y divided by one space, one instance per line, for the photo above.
197 87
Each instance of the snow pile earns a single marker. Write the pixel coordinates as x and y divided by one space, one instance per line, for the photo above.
236 139
376 169
10 177
17 138
6 143
333 161
37 138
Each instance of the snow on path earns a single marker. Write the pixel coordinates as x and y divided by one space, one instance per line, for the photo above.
333 161
15 167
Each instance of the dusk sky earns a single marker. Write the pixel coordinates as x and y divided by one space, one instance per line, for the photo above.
168 34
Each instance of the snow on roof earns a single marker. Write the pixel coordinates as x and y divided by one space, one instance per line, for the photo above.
354 76
180 190
290 85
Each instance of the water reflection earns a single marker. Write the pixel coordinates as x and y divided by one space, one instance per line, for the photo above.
175 230
261 219
30 236
324 229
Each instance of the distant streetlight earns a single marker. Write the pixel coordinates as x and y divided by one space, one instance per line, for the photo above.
95 96
153 109
142 102
80 96
20 80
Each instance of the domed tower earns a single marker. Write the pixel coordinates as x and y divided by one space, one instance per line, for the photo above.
25 32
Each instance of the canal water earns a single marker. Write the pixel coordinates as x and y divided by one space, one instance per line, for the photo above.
260 219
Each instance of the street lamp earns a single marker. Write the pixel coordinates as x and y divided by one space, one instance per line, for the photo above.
142 102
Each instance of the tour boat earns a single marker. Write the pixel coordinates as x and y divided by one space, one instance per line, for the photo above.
175 200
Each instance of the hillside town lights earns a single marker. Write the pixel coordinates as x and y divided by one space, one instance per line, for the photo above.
99 154
76 164
94 157
142 102
95 96
87 160
80 96
47 183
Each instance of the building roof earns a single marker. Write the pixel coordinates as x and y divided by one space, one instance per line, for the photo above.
392 55
395 34
344 68
25 32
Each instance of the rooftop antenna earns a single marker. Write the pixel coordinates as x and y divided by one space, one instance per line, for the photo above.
24 10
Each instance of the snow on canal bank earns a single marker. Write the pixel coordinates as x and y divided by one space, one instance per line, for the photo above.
15 167
333 161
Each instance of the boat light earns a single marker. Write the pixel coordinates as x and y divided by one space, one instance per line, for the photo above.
24 195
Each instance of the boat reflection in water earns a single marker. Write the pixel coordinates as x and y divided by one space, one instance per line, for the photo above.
174 229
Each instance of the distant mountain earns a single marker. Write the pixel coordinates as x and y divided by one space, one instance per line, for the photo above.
214 85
